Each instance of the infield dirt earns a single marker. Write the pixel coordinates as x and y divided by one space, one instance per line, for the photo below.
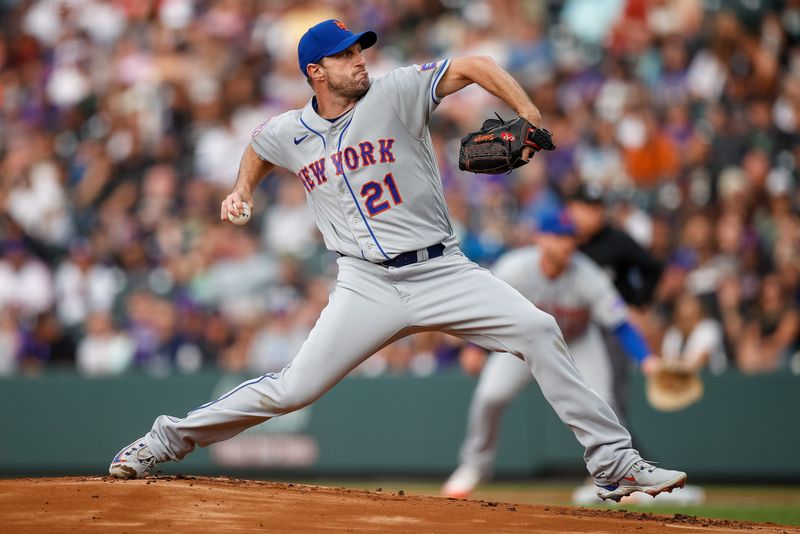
192 504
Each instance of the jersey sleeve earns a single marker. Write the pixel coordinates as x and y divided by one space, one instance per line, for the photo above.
607 306
265 143
412 91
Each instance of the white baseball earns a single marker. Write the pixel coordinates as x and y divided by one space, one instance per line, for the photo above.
243 217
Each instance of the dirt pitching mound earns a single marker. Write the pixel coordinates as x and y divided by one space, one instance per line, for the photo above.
179 504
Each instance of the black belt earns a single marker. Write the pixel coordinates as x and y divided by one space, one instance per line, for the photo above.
415 256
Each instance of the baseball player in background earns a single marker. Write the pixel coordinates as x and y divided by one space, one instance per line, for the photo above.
581 298
362 150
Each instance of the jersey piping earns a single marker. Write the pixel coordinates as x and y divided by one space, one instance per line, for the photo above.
324 145
228 394
436 81
352 194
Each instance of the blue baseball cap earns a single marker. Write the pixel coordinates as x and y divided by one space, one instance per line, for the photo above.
328 38
556 222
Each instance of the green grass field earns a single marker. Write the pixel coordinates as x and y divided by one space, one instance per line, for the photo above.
775 504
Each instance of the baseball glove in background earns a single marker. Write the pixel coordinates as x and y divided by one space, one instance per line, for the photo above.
672 387
498 146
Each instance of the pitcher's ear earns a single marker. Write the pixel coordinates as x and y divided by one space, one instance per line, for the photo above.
315 72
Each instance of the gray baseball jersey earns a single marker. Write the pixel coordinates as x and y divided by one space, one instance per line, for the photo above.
581 298
372 180
370 176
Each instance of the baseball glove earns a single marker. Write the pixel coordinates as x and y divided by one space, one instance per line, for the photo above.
672 387
498 146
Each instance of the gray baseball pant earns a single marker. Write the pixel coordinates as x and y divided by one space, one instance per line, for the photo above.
371 307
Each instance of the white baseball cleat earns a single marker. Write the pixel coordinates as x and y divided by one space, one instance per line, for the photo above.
643 477
134 461
461 483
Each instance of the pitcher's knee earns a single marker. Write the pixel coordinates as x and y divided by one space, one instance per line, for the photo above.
540 324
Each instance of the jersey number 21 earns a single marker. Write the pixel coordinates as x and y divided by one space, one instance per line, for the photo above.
372 192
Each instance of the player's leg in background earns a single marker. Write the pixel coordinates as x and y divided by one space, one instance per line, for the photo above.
364 313
475 305
502 378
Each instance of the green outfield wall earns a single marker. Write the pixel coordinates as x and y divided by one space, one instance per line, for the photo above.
745 428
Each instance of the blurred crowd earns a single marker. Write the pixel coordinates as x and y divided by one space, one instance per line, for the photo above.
122 123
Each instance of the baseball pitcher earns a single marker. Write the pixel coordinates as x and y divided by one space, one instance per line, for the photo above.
362 150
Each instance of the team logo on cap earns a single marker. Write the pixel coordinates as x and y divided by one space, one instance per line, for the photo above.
341 26
507 136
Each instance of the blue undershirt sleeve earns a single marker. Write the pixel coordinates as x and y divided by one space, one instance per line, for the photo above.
632 341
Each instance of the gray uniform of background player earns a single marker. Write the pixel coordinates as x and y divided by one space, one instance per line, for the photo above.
371 305
580 299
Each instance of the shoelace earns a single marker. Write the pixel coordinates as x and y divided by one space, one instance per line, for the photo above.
148 461
645 465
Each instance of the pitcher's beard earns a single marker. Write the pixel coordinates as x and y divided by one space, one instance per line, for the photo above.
353 88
